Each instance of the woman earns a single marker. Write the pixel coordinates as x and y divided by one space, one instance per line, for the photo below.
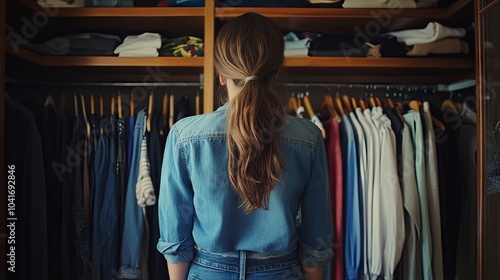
233 180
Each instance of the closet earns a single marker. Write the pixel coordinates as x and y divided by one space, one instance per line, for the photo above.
26 72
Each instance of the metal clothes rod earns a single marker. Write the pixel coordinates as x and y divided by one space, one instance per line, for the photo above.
366 86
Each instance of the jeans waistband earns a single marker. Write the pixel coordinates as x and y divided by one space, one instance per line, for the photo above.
253 262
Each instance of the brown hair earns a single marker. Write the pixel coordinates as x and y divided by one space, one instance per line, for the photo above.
252 45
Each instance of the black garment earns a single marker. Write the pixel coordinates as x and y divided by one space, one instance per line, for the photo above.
157 267
182 108
79 229
390 47
64 166
337 45
53 186
24 152
120 135
450 191
93 140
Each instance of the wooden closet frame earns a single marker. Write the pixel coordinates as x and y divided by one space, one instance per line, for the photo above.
331 66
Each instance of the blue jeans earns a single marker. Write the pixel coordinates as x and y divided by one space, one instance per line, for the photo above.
244 265
133 224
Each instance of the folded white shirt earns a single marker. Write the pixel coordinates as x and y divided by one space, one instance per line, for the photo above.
144 40
432 32
142 52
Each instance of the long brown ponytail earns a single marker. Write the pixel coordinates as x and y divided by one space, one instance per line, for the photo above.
252 45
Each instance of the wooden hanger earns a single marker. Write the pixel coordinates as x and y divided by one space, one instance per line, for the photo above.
327 104
101 112
92 108
132 105
150 113
379 104
291 107
171 118
197 103
75 100
307 105
299 100
390 104
112 105
362 104
415 106
164 111
354 104
120 106
340 107
101 106
448 105
49 101
347 103
84 114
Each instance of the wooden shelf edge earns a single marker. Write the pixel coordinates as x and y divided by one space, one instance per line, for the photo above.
117 11
111 61
431 13
361 62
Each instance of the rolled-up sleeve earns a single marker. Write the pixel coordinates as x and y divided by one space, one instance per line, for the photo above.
175 205
316 229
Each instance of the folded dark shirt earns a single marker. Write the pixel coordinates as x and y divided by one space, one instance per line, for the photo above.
262 3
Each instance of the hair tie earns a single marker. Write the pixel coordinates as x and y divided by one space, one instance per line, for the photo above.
251 78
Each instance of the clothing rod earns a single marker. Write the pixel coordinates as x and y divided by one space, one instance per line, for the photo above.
366 86
108 84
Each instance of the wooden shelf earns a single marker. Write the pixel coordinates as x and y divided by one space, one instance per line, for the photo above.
109 61
427 13
361 62
118 11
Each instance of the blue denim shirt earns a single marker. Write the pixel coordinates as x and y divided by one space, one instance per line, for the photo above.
197 204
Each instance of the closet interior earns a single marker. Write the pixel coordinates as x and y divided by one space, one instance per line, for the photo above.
175 81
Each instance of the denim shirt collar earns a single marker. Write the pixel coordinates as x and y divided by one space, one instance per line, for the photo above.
223 107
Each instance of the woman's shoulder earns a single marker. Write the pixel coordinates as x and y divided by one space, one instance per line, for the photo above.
300 129
204 125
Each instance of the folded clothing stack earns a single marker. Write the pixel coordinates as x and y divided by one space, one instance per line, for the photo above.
295 46
392 4
143 45
326 3
83 44
185 46
435 38
337 46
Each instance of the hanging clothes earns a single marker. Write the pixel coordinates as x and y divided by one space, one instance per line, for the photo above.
451 189
336 195
93 141
433 194
415 124
64 131
121 169
100 167
156 144
352 246
368 175
79 229
25 156
390 198
133 225
412 257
